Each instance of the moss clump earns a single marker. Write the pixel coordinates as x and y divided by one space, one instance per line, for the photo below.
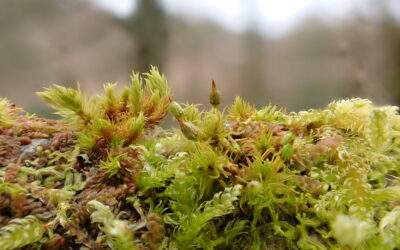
106 176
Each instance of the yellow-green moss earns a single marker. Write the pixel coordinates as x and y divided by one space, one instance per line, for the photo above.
247 178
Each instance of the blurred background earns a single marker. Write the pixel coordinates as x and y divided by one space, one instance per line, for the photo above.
299 54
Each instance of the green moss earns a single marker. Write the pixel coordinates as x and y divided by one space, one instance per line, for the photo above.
7 116
247 178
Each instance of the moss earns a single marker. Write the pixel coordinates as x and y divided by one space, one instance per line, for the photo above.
6 113
107 175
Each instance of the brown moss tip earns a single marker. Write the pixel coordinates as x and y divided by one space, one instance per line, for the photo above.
215 97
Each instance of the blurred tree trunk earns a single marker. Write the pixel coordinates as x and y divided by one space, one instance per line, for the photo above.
391 31
148 26
253 66
253 71
391 36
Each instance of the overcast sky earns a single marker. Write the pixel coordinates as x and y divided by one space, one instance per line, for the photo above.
274 17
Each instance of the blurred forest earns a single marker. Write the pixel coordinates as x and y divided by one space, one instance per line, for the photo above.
65 42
